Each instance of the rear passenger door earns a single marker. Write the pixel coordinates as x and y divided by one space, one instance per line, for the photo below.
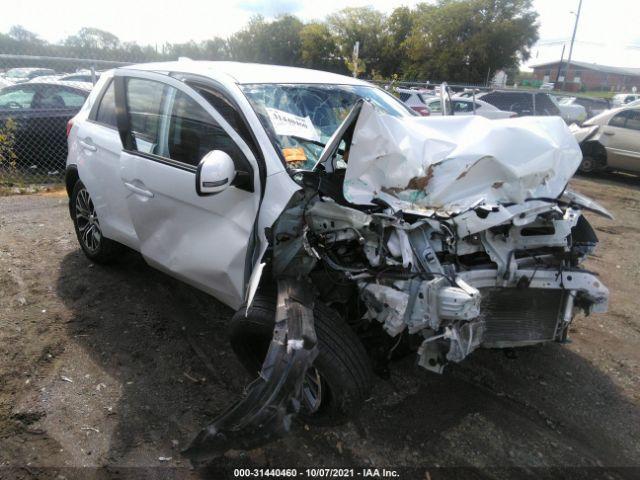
167 128
99 148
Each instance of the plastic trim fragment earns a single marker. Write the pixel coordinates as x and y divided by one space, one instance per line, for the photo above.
266 411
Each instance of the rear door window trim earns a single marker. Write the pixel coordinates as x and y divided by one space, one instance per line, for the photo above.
93 113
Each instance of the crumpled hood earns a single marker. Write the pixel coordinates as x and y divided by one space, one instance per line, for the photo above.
453 163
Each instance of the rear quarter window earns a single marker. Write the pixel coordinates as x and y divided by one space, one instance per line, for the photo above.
106 110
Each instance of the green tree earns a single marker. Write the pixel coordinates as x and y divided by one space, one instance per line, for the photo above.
276 42
467 40
398 28
21 34
318 48
359 24
89 38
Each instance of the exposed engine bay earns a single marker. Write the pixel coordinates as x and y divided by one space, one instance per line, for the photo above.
458 232
456 286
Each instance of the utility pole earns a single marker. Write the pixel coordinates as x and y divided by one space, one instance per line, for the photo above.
573 38
356 53
560 65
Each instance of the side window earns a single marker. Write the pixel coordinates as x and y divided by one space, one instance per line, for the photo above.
633 120
462 107
619 119
229 113
435 106
193 133
144 100
521 103
404 96
18 98
60 98
106 113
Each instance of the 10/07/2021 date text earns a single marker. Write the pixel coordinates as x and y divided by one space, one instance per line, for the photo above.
315 473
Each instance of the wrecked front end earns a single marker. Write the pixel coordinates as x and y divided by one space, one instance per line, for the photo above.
490 277
457 233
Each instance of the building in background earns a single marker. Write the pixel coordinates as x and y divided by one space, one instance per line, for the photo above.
588 76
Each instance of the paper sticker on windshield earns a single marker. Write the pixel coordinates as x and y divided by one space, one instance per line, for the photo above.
285 123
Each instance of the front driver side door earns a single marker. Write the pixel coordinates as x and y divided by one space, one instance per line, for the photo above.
166 129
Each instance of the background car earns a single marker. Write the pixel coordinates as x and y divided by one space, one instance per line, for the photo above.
21 75
614 141
570 112
39 113
593 106
464 106
80 77
413 99
521 102
622 99
4 83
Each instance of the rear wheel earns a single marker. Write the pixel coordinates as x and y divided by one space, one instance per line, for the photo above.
588 165
85 220
340 378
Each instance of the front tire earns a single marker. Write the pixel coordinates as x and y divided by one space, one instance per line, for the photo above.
588 165
340 378
87 226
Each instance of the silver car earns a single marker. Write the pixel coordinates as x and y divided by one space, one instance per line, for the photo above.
611 141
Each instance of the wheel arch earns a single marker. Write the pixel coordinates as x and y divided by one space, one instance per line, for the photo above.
595 150
71 176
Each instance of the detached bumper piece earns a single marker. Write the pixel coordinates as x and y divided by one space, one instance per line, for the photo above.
271 401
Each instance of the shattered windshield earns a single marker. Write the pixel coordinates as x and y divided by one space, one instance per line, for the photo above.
300 118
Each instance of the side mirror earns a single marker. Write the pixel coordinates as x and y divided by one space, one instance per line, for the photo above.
215 173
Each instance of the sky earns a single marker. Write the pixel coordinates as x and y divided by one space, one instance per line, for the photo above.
607 34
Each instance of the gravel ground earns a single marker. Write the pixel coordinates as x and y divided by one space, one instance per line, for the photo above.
118 367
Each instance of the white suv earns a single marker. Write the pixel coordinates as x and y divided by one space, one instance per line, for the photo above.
331 217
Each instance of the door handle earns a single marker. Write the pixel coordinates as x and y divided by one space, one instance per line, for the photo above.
140 191
611 134
87 146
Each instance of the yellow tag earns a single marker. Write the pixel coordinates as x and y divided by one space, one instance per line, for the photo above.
294 154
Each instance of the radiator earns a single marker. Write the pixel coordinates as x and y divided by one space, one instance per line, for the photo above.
516 317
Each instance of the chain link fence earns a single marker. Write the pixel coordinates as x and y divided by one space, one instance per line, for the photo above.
38 96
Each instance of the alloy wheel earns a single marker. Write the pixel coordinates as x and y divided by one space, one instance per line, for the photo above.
587 165
87 222
311 391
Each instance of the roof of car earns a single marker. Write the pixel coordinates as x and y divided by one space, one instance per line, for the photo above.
250 72
86 86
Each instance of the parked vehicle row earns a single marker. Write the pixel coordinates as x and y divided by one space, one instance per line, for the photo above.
622 99
466 106
22 75
592 106
506 103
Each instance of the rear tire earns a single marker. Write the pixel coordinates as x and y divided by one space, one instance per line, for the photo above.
588 165
95 246
342 365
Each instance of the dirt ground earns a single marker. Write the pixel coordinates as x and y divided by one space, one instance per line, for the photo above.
118 367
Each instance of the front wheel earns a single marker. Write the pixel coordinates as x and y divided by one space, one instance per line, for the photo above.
588 165
340 378
87 226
